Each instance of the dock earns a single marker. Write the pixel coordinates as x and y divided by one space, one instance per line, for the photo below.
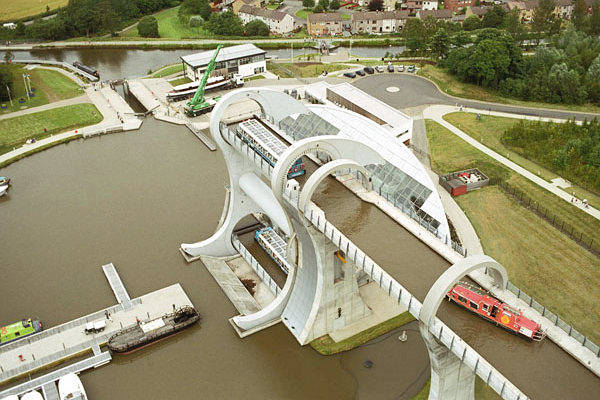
142 94
65 341
208 142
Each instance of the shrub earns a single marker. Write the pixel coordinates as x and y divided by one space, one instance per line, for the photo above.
148 27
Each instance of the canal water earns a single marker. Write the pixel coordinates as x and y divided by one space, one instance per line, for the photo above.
128 63
131 199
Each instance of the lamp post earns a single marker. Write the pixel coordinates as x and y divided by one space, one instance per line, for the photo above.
25 84
9 97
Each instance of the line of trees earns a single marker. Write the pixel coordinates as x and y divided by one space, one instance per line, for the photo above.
6 81
322 5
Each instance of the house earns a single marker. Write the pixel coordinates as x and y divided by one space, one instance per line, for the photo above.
456 5
389 5
480 11
430 5
562 9
9 25
237 4
378 21
324 23
243 59
440 15
277 21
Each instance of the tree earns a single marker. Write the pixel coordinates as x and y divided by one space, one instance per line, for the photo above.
543 17
334 5
148 27
308 3
196 7
256 28
471 23
414 33
375 5
494 17
318 8
461 39
225 23
512 24
595 18
6 80
324 4
8 56
579 15
440 43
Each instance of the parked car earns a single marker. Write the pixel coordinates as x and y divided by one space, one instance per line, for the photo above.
410 69
401 68
390 67
380 68
360 72
350 74
369 70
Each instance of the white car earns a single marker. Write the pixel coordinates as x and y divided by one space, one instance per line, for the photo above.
380 68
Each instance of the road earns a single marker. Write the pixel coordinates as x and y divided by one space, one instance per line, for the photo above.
424 92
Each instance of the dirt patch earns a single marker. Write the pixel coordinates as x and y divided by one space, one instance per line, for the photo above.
250 285
43 87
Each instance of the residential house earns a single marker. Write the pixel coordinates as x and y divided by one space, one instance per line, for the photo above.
441 15
378 21
237 4
430 5
455 5
319 24
277 21
562 9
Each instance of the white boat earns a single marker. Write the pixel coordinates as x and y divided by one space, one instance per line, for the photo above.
33 395
3 190
11 397
71 388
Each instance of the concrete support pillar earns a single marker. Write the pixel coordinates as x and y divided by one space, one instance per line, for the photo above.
450 378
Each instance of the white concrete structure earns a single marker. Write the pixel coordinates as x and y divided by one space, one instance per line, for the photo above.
429 5
243 59
277 21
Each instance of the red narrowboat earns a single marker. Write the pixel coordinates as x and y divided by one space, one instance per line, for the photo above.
488 307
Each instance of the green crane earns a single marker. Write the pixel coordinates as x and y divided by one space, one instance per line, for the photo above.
198 104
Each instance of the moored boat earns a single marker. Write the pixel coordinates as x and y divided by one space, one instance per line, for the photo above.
490 308
70 387
4 181
146 332
3 190
33 395
19 330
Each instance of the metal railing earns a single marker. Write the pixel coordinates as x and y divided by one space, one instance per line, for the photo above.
60 64
555 319
260 271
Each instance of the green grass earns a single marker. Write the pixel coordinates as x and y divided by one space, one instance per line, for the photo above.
346 16
180 81
326 346
272 6
12 10
303 13
49 86
489 130
452 86
15 131
169 70
169 27
303 69
539 259
254 78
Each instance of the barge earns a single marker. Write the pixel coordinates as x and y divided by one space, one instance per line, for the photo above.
19 330
187 90
146 332
86 69
491 309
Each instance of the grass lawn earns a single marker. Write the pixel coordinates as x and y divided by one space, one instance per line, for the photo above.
346 16
254 78
49 86
272 6
452 86
166 71
326 346
303 13
302 69
539 259
18 9
169 27
15 131
489 130
180 81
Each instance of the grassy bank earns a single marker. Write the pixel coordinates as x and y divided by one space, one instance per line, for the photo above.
24 8
326 346
452 86
14 132
49 86
180 81
541 260
489 131
166 71
169 27
302 69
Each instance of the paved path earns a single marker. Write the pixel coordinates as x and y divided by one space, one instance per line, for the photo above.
437 112
62 103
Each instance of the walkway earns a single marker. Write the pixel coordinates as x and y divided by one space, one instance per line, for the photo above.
62 103
437 113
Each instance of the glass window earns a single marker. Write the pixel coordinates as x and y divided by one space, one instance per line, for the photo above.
473 305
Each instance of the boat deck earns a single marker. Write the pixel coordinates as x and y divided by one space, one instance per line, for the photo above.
68 340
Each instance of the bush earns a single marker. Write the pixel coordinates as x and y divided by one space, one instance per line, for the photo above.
256 28
148 27
6 80
226 24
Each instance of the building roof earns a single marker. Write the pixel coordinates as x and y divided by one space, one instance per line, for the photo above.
378 15
262 12
226 53
324 17
437 14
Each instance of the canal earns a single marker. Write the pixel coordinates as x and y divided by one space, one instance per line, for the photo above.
131 199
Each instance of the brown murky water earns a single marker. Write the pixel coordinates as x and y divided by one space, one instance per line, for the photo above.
131 199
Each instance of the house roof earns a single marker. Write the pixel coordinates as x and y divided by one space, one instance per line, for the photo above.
262 12
378 15
324 17
437 14
226 53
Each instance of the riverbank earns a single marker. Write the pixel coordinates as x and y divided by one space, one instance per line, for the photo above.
540 260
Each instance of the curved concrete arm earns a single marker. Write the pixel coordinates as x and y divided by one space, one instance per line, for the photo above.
454 274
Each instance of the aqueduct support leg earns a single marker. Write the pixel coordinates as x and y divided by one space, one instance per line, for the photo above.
450 378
